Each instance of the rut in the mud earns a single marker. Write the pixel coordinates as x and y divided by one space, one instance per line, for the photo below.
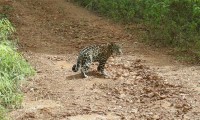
145 85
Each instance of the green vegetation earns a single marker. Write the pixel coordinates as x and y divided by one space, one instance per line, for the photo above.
5 10
171 23
3 115
13 68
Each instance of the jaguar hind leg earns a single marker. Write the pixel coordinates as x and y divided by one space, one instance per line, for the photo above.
85 67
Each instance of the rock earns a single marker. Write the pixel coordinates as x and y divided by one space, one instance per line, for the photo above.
111 63
156 117
163 96
138 60
59 59
97 98
120 78
132 77
32 89
122 96
135 110
111 59
199 82
166 104
150 95
119 72
132 73
128 82
125 74
39 71
71 89
138 77
126 65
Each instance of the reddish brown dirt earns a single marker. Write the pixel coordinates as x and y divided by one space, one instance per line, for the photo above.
145 83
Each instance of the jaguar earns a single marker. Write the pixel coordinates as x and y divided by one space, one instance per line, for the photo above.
96 53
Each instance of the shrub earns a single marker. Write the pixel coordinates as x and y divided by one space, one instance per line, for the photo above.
173 23
119 10
3 113
5 29
13 68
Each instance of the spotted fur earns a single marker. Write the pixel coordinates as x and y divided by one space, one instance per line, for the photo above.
95 53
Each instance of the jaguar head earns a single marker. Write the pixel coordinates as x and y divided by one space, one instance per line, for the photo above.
115 48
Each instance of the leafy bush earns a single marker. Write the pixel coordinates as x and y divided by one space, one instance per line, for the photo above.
5 29
13 68
117 9
174 23
3 113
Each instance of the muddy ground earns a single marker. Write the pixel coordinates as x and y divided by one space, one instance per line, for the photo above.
146 84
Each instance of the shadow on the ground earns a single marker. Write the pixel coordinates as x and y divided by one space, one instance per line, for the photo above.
91 74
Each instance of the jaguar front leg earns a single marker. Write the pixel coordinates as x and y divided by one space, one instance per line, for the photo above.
101 68
84 71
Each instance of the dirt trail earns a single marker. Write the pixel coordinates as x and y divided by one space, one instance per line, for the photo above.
146 84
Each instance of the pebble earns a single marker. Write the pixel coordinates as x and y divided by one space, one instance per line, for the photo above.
120 78
125 74
166 104
135 110
156 117
39 71
97 98
112 59
132 73
138 77
126 66
32 89
150 95
122 96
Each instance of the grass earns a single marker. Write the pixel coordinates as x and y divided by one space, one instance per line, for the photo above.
13 69
3 113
